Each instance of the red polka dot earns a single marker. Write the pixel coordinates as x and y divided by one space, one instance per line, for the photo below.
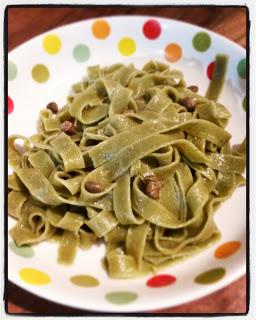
210 70
151 29
161 280
10 105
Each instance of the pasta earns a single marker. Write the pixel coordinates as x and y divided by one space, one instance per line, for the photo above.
134 158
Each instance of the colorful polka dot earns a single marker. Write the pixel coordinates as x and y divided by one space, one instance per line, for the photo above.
52 44
210 70
149 29
210 276
152 29
81 53
10 105
101 29
244 103
12 71
34 276
241 68
83 280
161 280
173 52
127 46
121 297
23 251
40 73
227 249
201 41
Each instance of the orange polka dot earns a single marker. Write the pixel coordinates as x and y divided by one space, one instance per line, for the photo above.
101 29
227 249
173 52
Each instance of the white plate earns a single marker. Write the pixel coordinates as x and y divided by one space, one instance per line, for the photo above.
101 44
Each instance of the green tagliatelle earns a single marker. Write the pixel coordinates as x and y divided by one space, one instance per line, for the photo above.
143 169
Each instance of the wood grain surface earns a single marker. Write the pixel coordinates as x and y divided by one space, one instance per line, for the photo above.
25 23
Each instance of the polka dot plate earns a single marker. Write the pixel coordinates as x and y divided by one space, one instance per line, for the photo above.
42 70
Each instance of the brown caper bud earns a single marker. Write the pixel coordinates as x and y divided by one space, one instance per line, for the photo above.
188 103
153 186
93 187
68 127
53 107
193 88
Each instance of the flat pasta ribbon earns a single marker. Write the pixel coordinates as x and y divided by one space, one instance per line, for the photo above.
145 167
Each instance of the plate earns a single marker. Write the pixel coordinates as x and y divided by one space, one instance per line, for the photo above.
42 70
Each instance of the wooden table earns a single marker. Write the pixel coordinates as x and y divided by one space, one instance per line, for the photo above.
25 23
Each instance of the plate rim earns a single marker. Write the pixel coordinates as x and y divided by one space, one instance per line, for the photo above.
127 17
205 291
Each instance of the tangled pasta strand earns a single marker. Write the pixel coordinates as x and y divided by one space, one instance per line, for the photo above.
146 165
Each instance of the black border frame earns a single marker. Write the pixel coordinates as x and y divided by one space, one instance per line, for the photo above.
133 314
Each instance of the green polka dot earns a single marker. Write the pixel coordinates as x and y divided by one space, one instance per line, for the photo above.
84 281
23 251
121 297
244 103
40 73
201 41
12 71
241 68
81 53
210 276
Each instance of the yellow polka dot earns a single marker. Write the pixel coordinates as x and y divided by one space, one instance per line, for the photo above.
127 46
52 44
34 276
40 73
173 52
100 29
